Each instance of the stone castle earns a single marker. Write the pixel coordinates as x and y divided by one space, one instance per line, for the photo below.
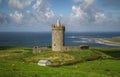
58 30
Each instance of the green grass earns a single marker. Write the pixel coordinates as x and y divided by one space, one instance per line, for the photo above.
106 67
108 52
86 69
21 62
114 39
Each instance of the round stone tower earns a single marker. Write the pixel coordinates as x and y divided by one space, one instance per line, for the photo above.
58 36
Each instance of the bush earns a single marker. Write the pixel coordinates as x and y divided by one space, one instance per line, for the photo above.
49 46
95 57
17 52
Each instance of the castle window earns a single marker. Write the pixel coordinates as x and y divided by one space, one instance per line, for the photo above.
54 44
66 48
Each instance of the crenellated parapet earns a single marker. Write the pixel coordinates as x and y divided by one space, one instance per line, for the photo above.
55 27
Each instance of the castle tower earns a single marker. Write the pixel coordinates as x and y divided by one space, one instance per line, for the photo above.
57 36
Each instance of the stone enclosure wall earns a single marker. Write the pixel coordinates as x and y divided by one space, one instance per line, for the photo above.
75 48
37 49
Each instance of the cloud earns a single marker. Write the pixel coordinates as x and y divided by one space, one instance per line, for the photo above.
4 19
19 4
84 15
42 8
17 17
39 15
100 17
0 1
37 4
85 3
49 13
112 3
89 1
89 17
78 12
77 1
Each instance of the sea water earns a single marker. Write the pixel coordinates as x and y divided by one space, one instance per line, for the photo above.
30 39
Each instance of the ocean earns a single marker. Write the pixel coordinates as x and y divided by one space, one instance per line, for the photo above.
42 39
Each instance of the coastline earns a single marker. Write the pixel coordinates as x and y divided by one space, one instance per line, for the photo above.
106 42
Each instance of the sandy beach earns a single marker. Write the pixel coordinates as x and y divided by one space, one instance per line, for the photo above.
103 41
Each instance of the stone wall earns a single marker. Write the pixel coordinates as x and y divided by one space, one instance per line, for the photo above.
75 48
69 48
37 49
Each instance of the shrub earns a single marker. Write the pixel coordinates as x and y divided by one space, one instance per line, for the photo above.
95 57
49 46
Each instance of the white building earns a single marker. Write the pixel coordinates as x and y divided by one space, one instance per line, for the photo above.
44 62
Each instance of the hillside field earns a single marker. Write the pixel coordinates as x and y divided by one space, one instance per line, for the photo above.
114 39
95 62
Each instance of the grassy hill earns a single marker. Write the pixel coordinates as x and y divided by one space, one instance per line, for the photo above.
114 39
95 62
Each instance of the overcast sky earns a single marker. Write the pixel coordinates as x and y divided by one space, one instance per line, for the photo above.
77 15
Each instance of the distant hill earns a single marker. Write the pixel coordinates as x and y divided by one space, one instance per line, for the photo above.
114 39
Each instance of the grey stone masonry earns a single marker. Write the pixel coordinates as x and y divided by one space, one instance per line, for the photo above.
58 30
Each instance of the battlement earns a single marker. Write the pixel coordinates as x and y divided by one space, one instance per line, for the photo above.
61 27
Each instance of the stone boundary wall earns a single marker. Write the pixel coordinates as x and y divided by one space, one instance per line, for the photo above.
37 49
71 48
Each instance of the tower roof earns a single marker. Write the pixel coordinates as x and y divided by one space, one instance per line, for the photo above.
58 22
